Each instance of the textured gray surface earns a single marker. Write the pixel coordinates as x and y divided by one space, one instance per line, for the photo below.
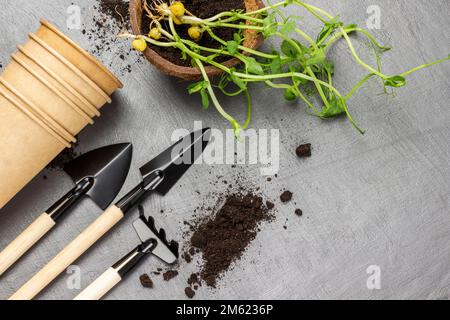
379 199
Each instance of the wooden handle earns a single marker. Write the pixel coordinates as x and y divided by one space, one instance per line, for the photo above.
70 253
25 241
97 289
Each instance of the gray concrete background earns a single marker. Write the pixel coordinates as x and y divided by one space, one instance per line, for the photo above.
379 199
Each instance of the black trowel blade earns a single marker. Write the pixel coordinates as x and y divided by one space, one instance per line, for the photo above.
108 166
176 160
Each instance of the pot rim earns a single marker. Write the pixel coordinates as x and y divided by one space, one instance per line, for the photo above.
183 72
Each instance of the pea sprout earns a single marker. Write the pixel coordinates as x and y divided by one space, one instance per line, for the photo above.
301 67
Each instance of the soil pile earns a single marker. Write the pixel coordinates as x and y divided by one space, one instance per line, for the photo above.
224 238
201 9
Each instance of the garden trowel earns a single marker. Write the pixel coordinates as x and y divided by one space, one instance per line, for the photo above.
152 242
159 175
98 174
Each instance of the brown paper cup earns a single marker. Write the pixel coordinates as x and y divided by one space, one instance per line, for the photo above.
30 145
66 70
48 93
89 65
55 80
45 96
39 114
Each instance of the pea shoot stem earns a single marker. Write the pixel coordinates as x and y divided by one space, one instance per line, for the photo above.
299 68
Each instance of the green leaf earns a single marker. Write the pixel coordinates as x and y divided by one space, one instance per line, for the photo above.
318 58
334 108
196 87
253 66
324 33
237 37
288 49
238 81
335 22
290 94
395 81
232 47
351 26
276 65
329 66
288 27
270 25
329 27
291 51
205 98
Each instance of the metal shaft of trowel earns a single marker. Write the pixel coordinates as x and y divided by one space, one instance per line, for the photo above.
62 206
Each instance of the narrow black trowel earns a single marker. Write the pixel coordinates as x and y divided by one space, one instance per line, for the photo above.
153 242
98 174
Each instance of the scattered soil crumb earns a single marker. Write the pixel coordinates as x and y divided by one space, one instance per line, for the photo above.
193 279
187 257
64 157
146 281
270 205
113 8
102 35
189 292
170 274
223 238
298 212
286 196
303 150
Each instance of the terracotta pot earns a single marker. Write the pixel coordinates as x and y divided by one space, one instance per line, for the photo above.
22 157
252 40
80 58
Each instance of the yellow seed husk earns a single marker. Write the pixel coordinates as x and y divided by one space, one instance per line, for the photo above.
155 33
139 44
177 8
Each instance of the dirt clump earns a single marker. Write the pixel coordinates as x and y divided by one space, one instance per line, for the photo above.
286 196
146 281
189 292
223 238
170 274
303 151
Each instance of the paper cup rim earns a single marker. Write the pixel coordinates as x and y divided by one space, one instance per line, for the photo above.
86 54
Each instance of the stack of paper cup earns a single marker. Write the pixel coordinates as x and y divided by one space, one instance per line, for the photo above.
49 92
